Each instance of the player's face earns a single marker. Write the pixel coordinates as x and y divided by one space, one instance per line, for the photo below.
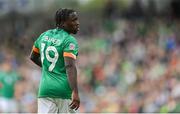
72 24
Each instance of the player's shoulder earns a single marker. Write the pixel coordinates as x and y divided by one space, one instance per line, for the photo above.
45 33
71 38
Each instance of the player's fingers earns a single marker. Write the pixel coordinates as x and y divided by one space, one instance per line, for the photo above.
74 105
71 103
77 107
77 104
74 101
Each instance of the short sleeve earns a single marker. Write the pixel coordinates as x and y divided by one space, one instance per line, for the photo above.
70 48
36 47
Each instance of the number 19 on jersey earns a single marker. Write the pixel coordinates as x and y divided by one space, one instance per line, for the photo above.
45 53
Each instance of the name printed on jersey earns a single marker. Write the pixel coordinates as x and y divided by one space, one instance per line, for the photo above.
53 40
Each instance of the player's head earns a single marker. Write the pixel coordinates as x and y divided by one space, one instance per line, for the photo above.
67 19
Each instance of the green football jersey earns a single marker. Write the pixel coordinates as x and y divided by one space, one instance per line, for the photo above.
53 45
8 81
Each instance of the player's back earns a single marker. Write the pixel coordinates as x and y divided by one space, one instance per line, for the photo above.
51 50
54 81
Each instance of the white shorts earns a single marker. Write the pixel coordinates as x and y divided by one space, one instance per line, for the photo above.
8 105
54 105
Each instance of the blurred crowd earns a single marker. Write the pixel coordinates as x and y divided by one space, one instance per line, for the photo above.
133 69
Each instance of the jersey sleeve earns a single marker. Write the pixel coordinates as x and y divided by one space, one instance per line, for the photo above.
70 48
36 47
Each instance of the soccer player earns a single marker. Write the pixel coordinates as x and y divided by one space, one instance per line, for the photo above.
55 51
9 78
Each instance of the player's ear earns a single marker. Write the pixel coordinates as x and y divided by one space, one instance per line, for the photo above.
64 25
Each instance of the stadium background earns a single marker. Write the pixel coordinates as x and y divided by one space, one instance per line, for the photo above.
129 58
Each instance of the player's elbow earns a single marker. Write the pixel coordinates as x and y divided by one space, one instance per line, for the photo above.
34 56
36 61
31 58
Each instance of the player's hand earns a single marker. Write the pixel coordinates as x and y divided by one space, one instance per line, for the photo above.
75 101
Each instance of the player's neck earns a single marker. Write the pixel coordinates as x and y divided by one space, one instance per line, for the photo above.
61 28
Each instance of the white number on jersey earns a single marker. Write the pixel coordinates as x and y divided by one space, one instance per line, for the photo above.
53 60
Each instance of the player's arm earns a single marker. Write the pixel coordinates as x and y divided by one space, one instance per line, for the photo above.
35 56
72 77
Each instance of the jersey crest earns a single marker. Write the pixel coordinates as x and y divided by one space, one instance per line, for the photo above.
71 46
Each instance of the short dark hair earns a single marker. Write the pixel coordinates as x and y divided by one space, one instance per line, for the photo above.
62 15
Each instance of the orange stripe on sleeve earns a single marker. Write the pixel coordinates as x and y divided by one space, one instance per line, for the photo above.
66 54
35 49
